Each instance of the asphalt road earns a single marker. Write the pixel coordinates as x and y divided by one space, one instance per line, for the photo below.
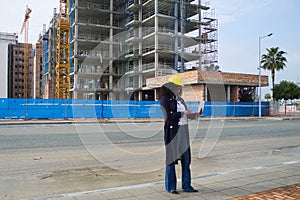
46 159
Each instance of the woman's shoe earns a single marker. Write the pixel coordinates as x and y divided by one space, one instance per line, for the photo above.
190 189
174 192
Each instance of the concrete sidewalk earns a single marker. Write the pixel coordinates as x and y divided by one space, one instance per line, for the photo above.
217 186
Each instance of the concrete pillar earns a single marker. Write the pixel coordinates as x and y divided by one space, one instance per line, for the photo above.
111 33
75 62
156 34
176 35
140 63
205 92
228 93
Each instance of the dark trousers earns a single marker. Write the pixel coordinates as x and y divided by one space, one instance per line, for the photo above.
170 174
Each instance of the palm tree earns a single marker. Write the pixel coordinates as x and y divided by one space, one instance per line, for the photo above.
273 61
267 96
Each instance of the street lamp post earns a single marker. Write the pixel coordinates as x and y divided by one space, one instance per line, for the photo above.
259 70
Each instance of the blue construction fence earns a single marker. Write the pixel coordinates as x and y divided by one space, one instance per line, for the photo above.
65 109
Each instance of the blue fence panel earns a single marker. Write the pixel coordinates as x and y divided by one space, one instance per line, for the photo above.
115 109
107 112
265 108
85 108
125 109
207 109
219 109
230 109
17 108
235 109
193 106
243 109
59 109
155 111
215 109
148 109
131 109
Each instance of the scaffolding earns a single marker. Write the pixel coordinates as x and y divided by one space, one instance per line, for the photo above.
63 53
210 36
167 37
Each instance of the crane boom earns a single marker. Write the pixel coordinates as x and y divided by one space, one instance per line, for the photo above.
63 53
26 18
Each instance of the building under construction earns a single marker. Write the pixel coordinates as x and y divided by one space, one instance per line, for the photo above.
49 46
115 45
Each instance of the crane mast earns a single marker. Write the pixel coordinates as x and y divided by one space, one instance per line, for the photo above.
63 53
25 30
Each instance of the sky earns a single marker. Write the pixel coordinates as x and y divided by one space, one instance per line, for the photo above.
240 22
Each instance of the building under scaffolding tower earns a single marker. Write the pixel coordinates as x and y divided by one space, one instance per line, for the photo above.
165 37
115 45
49 46
95 26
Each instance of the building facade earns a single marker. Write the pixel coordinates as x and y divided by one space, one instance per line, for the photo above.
97 66
20 80
6 39
38 71
212 86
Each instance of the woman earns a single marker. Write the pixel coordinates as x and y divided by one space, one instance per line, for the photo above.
176 134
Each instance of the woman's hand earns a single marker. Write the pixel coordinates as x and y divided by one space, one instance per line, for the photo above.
187 112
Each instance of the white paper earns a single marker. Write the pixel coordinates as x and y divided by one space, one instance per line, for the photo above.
201 106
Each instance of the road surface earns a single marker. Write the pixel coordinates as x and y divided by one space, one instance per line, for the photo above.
47 159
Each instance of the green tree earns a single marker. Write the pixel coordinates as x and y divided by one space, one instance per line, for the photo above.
286 90
246 94
267 96
273 61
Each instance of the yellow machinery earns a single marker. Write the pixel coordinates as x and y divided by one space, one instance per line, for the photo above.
25 30
63 53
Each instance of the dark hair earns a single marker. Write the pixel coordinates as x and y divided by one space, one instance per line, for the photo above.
167 90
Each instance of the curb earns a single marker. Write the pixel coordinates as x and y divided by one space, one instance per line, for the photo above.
106 121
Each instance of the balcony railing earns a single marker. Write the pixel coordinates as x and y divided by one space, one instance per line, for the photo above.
98 54
151 66
93 6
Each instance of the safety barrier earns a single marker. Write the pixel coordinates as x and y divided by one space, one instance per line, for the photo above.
66 109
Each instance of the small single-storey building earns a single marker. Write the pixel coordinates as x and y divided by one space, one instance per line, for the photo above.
213 86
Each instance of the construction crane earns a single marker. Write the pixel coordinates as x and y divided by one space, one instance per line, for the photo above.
63 53
25 30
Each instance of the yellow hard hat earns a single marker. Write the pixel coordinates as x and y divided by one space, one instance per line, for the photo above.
176 79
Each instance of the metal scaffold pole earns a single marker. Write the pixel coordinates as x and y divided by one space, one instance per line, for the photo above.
200 35
182 30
